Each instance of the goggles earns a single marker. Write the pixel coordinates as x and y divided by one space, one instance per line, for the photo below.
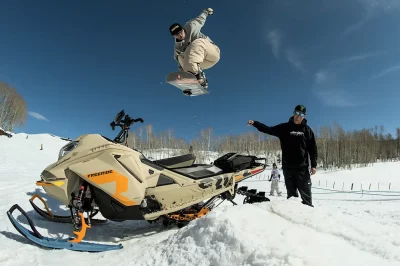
300 114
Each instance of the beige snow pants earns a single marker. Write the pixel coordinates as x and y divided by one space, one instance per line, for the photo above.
200 51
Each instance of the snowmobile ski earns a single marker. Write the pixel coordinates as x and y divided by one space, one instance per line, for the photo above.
52 243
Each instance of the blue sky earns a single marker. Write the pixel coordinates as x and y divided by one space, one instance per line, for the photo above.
78 63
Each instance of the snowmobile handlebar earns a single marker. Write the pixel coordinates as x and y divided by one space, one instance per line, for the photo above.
124 124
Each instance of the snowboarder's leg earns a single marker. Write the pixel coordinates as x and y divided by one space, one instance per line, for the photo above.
212 55
304 186
200 54
181 61
290 182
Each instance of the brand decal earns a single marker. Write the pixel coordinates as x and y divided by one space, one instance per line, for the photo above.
100 173
296 133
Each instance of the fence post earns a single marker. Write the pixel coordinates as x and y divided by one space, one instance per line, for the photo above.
334 184
369 186
378 186
41 146
351 186
389 185
319 182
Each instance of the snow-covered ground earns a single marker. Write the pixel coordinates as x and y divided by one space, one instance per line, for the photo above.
355 221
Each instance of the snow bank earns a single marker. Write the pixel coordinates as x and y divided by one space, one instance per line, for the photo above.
278 233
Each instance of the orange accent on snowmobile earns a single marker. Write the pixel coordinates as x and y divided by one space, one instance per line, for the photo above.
121 184
189 216
49 184
80 234
43 184
44 203
238 177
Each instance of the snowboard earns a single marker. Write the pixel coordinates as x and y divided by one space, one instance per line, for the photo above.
186 82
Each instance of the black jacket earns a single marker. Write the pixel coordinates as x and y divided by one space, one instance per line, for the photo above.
297 142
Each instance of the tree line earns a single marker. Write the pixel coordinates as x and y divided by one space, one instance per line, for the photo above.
337 148
13 108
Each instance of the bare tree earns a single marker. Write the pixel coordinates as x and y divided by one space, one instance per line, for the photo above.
13 109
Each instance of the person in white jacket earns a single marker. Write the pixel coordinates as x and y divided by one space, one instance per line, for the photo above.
275 177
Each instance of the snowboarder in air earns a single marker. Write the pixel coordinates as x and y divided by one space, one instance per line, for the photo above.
275 178
194 51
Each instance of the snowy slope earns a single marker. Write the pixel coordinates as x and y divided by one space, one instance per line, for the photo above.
350 227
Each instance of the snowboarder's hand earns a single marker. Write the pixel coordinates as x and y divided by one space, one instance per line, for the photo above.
209 11
313 171
250 122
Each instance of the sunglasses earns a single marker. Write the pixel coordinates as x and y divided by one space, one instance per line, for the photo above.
300 114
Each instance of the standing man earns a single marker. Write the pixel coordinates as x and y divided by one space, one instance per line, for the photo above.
297 144
193 50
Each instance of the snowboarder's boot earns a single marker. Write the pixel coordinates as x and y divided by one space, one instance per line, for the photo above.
201 77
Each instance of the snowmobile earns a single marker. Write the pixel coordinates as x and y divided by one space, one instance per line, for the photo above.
96 174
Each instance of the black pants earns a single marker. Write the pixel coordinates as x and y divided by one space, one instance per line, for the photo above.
298 179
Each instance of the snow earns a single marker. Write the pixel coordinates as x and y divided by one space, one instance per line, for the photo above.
348 226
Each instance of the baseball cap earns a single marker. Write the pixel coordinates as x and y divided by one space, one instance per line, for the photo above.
300 108
175 28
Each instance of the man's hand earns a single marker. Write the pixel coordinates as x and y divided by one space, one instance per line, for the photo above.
209 11
250 122
313 171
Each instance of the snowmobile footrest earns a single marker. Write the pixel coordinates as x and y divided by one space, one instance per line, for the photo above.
52 243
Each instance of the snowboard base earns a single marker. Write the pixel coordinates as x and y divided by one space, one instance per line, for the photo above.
186 82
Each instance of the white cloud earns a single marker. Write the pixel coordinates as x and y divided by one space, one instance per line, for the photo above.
294 59
372 9
326 90
323 77
274 38
358 25
37 116
386 71
336 98
358 57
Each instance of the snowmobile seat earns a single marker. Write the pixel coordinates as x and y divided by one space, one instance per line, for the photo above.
177 161
199 171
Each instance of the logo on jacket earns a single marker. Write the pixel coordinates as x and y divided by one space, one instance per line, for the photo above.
297 133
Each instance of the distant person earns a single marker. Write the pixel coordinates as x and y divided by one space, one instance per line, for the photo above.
297 144
194 51
275 178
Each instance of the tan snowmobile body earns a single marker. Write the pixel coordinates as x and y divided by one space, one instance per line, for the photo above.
95 174
128 186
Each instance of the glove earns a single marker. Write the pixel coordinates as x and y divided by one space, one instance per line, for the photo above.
209 11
